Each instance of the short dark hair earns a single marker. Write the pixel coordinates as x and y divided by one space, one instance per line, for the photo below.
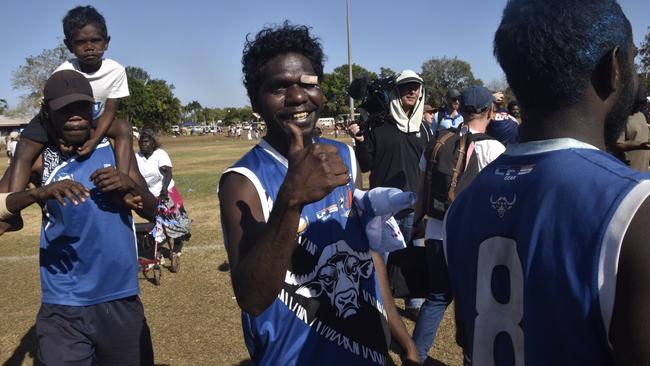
277 40
80 17
549 49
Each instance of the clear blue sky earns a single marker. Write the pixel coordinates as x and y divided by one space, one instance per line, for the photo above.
196 45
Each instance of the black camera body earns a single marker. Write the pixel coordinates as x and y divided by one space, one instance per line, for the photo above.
374 96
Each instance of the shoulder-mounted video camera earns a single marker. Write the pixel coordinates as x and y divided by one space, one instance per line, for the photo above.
374 96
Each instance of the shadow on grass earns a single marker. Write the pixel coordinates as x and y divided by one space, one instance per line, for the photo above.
224 267
243 363
27 347
433 362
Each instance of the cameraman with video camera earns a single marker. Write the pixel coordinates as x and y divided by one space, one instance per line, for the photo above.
390 146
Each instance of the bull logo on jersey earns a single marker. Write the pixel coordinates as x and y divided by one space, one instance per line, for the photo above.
501 204
337 275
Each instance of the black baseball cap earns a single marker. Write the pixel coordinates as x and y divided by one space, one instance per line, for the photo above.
475 99
65 87
453 93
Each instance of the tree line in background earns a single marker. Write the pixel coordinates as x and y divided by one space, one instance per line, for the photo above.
152 101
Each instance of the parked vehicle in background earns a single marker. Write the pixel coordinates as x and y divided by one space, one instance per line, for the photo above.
175 130
325 122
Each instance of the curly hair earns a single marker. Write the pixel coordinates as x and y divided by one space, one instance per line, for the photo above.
80 17
277 40
549 49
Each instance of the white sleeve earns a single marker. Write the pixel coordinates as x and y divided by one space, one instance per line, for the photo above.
120 87
162 158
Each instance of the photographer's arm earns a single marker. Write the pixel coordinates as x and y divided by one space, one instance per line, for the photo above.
363 146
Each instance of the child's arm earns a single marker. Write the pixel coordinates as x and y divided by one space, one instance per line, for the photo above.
119 130
21 166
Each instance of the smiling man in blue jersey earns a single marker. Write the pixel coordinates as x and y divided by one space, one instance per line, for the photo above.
310 289
548 249
90 312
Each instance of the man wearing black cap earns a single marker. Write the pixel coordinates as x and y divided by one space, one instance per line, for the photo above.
449 116
90 311
476 108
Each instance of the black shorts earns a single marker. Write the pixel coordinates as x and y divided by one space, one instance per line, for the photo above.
110 333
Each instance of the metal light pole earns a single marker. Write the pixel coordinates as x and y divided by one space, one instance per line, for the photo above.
347 15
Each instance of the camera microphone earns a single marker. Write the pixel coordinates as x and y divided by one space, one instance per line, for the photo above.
358 88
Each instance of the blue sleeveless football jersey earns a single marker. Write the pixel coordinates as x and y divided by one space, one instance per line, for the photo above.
532 247
330 310
87 252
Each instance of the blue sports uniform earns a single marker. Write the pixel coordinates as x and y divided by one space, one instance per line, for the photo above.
330 309
87 252
532 247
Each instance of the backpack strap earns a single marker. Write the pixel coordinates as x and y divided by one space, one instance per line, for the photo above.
433 160
451 194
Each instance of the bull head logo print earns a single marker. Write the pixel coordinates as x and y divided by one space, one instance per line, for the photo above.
337 275
501 204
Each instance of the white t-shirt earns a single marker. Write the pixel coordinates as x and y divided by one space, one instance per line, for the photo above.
109 82
486 151
150 170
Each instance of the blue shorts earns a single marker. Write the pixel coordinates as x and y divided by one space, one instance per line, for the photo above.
110 333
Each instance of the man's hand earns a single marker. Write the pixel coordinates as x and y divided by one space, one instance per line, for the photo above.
354 131
313 171
75 192
110 179
133 202
88 147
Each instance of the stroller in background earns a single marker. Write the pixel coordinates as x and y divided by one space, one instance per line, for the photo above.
150 236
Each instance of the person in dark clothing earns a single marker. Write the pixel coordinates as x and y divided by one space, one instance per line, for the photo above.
503 127
392 145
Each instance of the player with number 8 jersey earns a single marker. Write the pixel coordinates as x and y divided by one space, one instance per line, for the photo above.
547 249
533 281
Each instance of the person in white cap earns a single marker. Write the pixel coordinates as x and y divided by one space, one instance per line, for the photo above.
392 145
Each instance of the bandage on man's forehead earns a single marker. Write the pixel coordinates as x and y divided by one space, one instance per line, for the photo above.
309 79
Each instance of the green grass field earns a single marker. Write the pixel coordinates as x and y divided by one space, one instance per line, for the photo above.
193 315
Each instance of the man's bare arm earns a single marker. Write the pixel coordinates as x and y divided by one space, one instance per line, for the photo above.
259 252
397 328
630 325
